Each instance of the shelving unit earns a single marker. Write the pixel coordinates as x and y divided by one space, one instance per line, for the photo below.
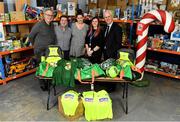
5 79
164 51
20 22
172 54
162 73
17 76
16 50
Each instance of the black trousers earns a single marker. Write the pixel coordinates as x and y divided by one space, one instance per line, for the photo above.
106 55
38 52
66 54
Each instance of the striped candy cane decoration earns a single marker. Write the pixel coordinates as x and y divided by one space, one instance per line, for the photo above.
142 30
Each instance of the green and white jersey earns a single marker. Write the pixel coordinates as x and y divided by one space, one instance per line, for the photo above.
64 73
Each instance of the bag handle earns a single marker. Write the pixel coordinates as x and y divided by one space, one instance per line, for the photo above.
83 82
45 71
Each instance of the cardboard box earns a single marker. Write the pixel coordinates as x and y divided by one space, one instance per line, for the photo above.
121 4
78 113
173 6
133 1
102 4
1 7
23 30
19 4
17 16
92 5
111 2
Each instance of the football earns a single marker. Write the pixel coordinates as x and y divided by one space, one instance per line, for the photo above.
112 71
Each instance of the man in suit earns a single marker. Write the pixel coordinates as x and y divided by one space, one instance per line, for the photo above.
112 42
112 36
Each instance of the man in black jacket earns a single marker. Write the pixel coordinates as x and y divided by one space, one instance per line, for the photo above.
112 42
112 36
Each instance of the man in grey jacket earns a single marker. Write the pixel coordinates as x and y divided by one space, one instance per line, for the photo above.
63 34
42 34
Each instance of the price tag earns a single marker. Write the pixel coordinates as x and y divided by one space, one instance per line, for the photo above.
14 77
7 23
154 72
11 51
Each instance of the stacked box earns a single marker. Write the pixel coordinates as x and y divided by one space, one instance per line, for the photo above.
17 16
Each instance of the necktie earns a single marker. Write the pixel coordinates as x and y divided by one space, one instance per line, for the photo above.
107 30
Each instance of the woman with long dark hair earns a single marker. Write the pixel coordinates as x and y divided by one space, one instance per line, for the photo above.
93 41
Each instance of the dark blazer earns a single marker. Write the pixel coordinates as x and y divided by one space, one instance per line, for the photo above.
113 41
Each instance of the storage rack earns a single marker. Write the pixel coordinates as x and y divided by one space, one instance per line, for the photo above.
4 79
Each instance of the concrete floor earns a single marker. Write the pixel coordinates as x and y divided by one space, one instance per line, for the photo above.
22 100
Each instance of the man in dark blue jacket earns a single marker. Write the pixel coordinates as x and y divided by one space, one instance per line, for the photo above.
112 36
112 42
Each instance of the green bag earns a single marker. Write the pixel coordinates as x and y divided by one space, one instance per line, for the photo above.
45 70
86 73
108 63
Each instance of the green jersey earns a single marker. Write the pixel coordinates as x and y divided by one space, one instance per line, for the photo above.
64 72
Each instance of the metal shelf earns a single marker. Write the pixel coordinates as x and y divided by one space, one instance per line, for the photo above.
20 22
162 73
16 50
164 51
17 76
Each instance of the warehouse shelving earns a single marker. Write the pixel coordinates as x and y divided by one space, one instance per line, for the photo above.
4 78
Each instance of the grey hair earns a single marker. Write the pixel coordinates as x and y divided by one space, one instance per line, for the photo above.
108 11
47 9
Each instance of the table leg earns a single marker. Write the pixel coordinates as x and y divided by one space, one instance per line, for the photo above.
49 90
92 87
126 90
54 87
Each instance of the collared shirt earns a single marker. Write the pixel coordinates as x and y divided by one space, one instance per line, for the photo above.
63 37
110 25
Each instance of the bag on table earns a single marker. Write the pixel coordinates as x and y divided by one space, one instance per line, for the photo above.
86 73
45 70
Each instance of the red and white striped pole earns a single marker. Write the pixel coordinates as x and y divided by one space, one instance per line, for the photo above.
142 30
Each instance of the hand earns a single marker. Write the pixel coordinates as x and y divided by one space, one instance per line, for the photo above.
89 53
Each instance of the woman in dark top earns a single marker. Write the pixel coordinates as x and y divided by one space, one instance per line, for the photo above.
93 41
